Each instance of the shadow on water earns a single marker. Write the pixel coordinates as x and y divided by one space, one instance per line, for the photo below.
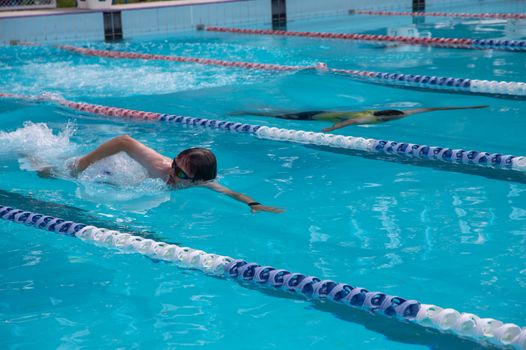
431 90
490 173
8 106
395 330
391 328
66 212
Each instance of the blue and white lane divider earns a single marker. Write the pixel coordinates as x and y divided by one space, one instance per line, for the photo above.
402 149
420 81
477 86
445 320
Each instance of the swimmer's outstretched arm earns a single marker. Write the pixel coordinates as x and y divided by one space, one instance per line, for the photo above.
345 123
408 112
154 162
254 206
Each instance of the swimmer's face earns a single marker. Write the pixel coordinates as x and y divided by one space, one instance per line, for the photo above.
180 175
193 166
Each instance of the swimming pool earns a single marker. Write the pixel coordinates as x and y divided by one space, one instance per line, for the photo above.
438 236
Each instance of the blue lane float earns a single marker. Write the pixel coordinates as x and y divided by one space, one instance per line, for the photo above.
445 320
490 87
420 81
513 45
402 149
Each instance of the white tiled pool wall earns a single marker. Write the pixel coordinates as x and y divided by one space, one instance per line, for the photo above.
88 26
161 20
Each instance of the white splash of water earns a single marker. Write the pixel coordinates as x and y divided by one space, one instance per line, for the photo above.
123 184
37 141
124 79
118 170
117 181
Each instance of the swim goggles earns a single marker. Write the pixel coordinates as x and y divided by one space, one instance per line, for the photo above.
179 173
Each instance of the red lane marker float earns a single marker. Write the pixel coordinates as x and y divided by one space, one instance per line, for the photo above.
440 42
16 96
205 61
87 107
441 14
421 81
109 111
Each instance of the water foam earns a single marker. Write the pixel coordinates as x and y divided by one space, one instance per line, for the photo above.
37 141
117 181
122 184
123 79
139 197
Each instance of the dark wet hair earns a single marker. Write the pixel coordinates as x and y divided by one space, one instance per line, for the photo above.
200 162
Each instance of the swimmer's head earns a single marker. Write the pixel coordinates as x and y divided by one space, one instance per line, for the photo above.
194 165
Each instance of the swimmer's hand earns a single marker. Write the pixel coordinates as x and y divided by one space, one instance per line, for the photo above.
328 129
343 124
74 171
259 207
46 173
42 169
73 167
254 206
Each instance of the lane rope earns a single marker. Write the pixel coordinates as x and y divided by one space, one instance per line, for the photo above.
455 43
401 149
204 61
441 14
445 320
407 80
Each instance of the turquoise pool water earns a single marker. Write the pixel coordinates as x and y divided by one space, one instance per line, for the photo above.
447 238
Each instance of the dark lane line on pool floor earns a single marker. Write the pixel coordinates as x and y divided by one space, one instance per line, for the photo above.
489 173
15 200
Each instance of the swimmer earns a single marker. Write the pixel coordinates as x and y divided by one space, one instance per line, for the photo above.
191 168
343 119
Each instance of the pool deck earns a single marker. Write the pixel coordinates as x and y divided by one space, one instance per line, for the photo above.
135 6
